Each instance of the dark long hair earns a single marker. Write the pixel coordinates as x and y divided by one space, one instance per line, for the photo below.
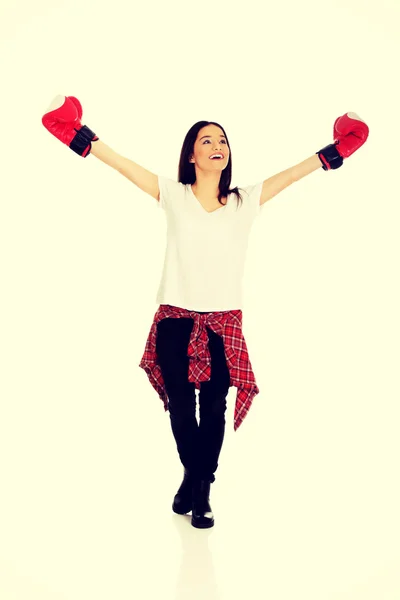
187 172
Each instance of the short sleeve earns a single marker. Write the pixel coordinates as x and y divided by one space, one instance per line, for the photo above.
252 198
168 189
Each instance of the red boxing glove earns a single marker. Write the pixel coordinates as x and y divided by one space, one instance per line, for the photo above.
62 119
350 133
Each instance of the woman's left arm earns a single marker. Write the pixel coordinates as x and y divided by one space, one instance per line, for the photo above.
275 184
349 132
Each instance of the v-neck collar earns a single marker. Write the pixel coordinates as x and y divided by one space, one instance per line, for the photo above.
208 212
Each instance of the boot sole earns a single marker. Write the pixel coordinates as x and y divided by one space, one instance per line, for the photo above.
181 511
202 525
195 523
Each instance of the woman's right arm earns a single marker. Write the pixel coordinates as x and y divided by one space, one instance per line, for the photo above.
144 179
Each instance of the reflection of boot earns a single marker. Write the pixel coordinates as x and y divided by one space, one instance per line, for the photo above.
183 498
202 515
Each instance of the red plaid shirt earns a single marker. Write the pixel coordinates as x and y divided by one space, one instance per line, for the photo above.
227 324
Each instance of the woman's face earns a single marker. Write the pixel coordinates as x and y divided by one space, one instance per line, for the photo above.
210 140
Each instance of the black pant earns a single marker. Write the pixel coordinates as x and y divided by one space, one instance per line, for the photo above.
198 444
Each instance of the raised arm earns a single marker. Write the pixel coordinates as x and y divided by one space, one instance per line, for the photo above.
144 179
63 120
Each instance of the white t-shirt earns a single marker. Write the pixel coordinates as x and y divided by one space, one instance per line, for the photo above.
206 251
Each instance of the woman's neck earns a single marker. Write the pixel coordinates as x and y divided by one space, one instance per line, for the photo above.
207 188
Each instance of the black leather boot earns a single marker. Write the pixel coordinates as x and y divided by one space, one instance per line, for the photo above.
183 498
202 515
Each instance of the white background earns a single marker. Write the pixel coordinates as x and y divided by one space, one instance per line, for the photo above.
306 494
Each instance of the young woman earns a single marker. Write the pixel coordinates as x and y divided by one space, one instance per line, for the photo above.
196 339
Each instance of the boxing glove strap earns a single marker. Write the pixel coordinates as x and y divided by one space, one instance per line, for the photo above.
330 157
82 140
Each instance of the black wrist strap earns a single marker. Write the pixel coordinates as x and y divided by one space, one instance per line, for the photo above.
82 140
330 156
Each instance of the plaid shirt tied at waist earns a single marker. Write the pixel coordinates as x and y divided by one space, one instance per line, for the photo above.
227 324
